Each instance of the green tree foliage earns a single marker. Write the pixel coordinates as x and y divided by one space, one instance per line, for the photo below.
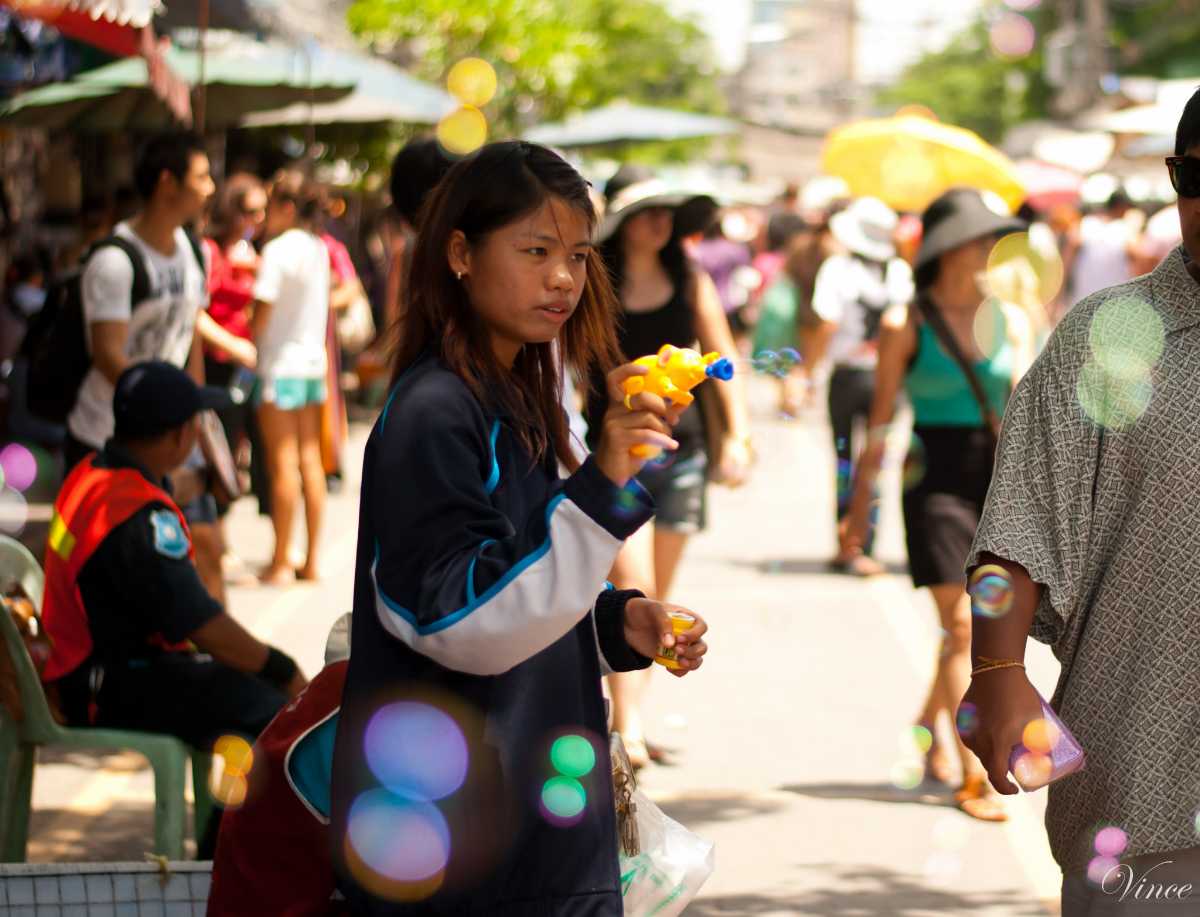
966 83
552 57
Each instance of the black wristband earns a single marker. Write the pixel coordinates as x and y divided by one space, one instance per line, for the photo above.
279 669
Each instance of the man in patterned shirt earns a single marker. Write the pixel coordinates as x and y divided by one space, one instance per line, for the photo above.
1094 511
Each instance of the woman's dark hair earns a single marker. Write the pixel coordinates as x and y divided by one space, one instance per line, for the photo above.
416 170
495 187
165 153
292 186
230 204
1187 135
672 257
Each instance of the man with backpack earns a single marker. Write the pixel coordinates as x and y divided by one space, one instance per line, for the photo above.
153 319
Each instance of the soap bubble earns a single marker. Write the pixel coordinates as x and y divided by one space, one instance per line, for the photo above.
1111 841
417 751
402 842
232 760
472 81
463 131
563 801
1126 339
1033 770
14 512
907 774
951 833
1021 272
573 756
922 737
1100 867
19 465
991 591
1012 37
966 721
1040 736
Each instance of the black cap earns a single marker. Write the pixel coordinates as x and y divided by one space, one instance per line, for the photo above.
959 216
154 397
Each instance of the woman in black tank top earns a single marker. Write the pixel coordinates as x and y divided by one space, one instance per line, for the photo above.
664 300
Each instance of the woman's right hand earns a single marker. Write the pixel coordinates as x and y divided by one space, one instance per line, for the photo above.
1004 704
647 421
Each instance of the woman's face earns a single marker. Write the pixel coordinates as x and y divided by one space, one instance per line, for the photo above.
252 214
648 230
525 279
970 260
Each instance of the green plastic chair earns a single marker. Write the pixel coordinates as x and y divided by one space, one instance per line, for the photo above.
19 741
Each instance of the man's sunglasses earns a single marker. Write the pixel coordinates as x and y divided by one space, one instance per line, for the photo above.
1185 175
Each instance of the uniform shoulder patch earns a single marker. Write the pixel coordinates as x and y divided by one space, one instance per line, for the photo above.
169 538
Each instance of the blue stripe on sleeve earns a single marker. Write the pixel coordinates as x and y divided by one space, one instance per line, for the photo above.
494 477
471 570
453 618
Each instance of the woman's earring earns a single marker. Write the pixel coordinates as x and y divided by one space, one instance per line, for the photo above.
459 275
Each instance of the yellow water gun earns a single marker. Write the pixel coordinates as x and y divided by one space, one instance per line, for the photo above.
674 372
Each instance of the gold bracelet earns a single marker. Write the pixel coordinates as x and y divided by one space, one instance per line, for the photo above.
997 664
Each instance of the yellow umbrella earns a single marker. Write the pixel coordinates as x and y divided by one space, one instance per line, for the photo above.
908 160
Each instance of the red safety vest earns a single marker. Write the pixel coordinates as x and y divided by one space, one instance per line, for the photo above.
93 501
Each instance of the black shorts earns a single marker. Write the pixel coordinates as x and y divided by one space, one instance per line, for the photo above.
942 509
678 487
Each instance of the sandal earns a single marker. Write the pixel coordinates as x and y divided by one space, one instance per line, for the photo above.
977 798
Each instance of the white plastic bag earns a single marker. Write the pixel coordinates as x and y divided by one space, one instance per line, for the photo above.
673 863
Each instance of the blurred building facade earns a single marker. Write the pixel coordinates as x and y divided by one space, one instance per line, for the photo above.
799 80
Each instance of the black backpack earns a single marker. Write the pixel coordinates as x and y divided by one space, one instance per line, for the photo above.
55 347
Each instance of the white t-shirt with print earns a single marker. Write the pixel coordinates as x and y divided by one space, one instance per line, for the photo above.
293 277
160 327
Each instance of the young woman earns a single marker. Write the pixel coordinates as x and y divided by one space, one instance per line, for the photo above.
291 315
470 771
941 512
664 300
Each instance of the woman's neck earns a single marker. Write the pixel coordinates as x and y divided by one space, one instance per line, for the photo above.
640 264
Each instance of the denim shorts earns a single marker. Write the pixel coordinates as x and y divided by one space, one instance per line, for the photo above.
290 394
678 487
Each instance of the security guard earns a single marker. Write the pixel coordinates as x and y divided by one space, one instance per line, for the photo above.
124 606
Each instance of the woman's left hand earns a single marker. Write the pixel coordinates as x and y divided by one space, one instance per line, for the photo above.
735 461
648 628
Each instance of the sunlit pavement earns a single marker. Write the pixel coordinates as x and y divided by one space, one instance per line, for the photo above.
787 741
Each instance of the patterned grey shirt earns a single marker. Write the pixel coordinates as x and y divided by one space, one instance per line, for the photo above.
1096 493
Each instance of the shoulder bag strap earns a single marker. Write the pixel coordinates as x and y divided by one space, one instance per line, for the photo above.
933 315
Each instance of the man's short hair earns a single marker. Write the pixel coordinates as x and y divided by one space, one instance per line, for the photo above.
416 170
165 153
1187 135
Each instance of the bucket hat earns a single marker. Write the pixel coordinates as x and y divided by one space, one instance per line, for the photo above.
959 216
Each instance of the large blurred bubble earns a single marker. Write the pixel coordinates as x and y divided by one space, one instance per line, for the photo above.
1126 340
19 465
472 81
463 131
398 847
417 751
1022 272
232 761
1012 36
14 512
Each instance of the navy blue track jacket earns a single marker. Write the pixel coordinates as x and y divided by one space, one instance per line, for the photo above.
480 591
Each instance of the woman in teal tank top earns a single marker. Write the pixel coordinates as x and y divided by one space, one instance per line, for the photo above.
953 443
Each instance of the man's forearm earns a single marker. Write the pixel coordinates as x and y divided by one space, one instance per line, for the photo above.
229 643
1004 637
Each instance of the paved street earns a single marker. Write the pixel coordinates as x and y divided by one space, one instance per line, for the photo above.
787 740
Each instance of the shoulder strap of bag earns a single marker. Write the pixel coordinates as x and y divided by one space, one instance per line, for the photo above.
140 290
933 315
